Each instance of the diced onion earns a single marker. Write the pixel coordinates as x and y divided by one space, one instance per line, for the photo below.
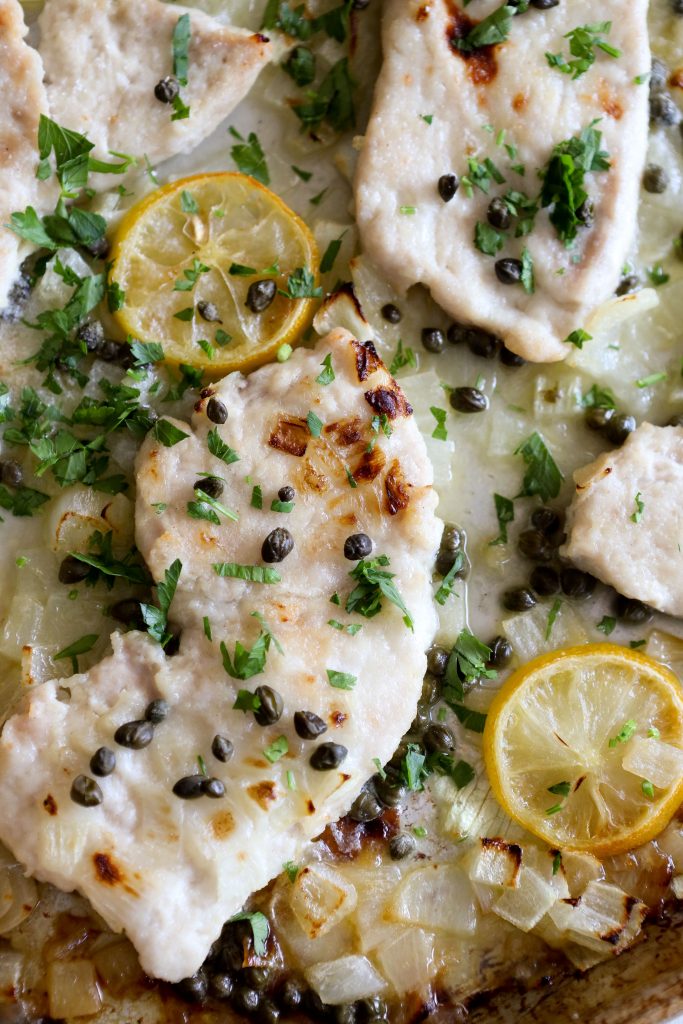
542 861
525 906
494 862
320 898
554 399
408 961
72 988
670 842
436 897
649 758
667 648
340 310
472 811
345 980
424 391
579 869
18 894
604 917
527 631
11 966
374 890
677 886
617 311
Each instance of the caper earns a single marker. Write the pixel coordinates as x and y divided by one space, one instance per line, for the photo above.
390 791
222 749
619 427
11 473
211 485
209 311
91 334
401 846
134 735
257 977
291 994
447 186
479 342
544 580
374 1008
86 792
498 214
433 339
421 720
520 599
445 560
103 762
216 411
357 546
327 756
213 788
245 999
194 988
366 806
439 738
509 358
260 295
271 707
128 612
190 787
534 545
465 399
344 1014
548 520
308 725
663 109
659 73
576 584
597 418
286 493
221 985
431 690
277 545
544 5
437 660
391 313
630 610
629 283
72 570
268 1013
452 538
508 271
655 179
501 652
167 89
676 421
157 710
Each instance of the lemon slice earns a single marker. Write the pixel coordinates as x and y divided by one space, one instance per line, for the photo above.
173 253
558 734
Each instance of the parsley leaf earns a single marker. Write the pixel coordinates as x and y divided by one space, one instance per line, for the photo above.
373 583
330 254
301 285
300 65
326 376
627 730
583 42
260 929
253 573
246 662
440 432
220 449
598 398
487 239
168 434
552 615
315 424
156 618
402 357
578 337
640 507
277 749
446 588
81 646
341 680
564 180
181 45
492 30
250 158
607 624
527 278
542 476
466 664
332 102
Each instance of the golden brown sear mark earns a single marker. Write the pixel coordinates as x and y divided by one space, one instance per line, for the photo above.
397 489
50 804
481 63
388 400
263 793
291 436
367 360
346 432
370 466
106 870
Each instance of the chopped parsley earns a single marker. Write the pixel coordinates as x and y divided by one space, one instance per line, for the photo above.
527 278
304 175
651 380
332 102
505 513
402 357
607 624
648 789
657 275
578 337
598 398
207 628
327 375
315 424
181 61
564 180
300 65
256 497
208 508
352 628
440 432
491 30
330 254
625 733
188 203
81 646
552 615
447 583
220 449
467 663
487 239
168 434
341 680
247 662
542 476
584 40
277 749
562 789
253 573
373 583
640 507
291 870
260 929
190 276
281 506
249 156
156 617
301 285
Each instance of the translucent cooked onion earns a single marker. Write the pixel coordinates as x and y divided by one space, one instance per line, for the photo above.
677 886
407 960
438 897
605 916
320 898
118 966
78 511
72 988
493 862
649 758
11 967
527 631
18 894
579 869
345 980
525 906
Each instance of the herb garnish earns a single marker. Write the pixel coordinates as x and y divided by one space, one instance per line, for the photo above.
492 30
253 573
373 583
331 102
220 449
578 337
277 749
249 157
552 615
606 624
640 507
542 476
181 60
447 583
81 646
505 513
341 680
249 662
402 357
564 180
156 618
440 432
627 730
326 376
260 929
208 508
301 285
584 40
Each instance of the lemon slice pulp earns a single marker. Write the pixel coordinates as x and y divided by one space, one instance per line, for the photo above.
172 256
557 735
